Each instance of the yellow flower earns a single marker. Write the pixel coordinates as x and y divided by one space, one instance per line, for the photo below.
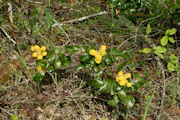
93 52
98 61
39 57
39 68
39 52
98 56
120 73
129 84
36 47
44 53
128 75
103 48
118 79
102 52
122 82
43 48
34 54
32 48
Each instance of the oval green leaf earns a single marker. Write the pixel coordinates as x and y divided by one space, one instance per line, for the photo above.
170 67
171 40
146 50
172 31
164 40
38 76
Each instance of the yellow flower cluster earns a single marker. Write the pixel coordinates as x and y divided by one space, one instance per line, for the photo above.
39 52
122 79
98 54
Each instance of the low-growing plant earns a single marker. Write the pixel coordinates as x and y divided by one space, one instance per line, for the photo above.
114 83
117 85
161 50
49 60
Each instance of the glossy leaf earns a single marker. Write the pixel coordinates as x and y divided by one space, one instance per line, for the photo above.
164 40
171 31
85 57
146 50
121 65
108 59
79 67
50 57
172 56
122 96
159 54
57 64
14 117
38 76
115 52
114 101
96 83
138 83
57 51
148 29
171 40
130 101
85 48
72 49
160 49
170 67
108 85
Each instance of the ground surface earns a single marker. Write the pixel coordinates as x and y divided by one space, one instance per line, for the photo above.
74 99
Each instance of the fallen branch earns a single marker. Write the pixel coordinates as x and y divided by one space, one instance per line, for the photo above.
80 19
8 36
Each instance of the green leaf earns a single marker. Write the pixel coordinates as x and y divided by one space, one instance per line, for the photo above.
85 48
122 96
43 64
115 52
14 117
57 64
130 101
38 76
148 30
108 59
170 67
57 51
171 31
114 101
116 58
50 68
160 49
79 67
164 40
167 32
171 40
50 56
121 65
108 85
146 50
85 57
137 83
159 54
72 49
173 57
96 83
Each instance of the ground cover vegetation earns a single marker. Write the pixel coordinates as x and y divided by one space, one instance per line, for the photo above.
89 60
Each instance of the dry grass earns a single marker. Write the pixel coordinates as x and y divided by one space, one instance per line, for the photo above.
73 98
